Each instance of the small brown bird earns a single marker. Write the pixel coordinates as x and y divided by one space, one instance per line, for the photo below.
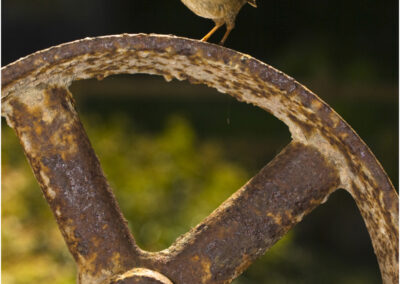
220 11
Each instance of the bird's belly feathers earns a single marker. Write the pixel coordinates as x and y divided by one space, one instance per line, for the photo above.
210 9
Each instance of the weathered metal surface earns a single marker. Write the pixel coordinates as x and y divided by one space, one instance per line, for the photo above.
251 220
312 123
141 276
72 181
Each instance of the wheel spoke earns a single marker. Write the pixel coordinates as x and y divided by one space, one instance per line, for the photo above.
253 219
72 181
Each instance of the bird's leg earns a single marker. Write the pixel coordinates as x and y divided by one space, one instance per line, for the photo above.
229 28
214 29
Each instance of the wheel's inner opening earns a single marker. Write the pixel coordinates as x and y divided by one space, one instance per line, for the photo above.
173 152
182 149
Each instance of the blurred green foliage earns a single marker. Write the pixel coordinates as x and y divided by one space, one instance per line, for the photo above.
166 182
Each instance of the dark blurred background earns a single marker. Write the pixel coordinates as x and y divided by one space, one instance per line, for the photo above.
173 151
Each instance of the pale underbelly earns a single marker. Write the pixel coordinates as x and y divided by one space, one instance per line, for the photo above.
206 8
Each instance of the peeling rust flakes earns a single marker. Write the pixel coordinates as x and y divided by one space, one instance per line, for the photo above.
306 127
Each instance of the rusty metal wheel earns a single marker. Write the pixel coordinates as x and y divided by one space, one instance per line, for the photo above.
325 154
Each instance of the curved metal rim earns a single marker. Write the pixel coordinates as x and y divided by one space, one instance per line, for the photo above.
298 95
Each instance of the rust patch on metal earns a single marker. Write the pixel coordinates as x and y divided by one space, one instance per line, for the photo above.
311 122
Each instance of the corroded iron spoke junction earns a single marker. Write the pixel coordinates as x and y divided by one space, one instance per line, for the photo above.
325 154
252 220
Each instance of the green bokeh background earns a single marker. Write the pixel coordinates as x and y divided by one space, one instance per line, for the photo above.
173 152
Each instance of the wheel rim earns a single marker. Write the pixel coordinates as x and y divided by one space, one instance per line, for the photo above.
37 104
